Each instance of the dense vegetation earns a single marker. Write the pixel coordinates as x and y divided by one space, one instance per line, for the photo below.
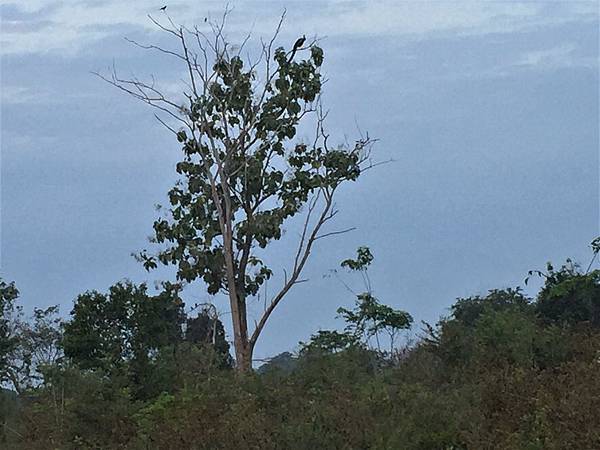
131 370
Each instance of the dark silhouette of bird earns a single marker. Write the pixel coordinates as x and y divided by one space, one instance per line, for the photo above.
300 42
205 19
164 8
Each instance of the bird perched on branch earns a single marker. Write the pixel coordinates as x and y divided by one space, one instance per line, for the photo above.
299 43
164 8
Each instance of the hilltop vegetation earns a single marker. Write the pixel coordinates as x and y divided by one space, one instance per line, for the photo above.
129 370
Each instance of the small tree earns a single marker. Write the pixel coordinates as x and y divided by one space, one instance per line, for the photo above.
123 329
206 329
570 295
369 317
38 347
8 341
329 341
27 347
242 178
367 320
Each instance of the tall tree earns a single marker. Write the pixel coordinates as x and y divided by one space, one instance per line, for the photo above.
242 177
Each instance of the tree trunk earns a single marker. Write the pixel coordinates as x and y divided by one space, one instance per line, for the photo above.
243 352
237 300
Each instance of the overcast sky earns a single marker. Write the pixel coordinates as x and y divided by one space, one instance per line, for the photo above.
489 109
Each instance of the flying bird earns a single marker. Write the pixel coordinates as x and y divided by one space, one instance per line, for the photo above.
164 8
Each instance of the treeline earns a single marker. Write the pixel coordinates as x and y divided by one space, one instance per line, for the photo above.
134 370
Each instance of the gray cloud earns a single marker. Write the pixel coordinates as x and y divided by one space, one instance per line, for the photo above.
78 23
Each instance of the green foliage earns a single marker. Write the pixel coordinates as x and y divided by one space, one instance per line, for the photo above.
77 410
570 297
468 311
595 245
505 337
284 362
38 347
366 320
140 339
497 330
8 295
369 317
269 183
499 372
363 260
206 331
120 333
328 341
26 346
125 325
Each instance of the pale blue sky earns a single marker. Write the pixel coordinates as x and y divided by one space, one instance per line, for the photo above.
490 110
